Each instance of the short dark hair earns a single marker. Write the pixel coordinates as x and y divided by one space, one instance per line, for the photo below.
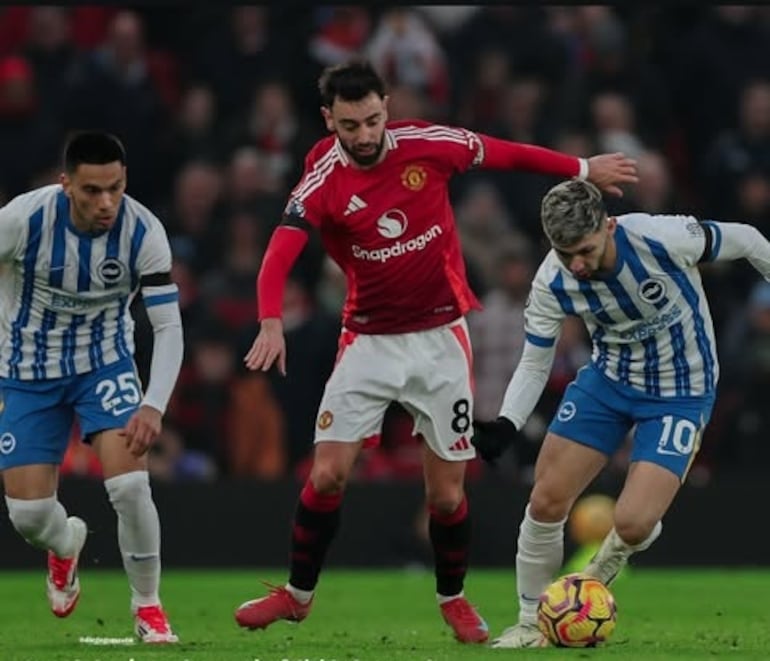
92 148
351 81
570 211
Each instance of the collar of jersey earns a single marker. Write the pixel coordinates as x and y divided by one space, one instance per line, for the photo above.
390 143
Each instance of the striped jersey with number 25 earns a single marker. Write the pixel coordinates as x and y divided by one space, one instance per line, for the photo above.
64 294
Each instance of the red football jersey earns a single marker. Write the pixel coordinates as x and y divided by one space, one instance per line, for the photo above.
391 228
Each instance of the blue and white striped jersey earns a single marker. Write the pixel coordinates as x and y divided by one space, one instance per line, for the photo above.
649 320
64 294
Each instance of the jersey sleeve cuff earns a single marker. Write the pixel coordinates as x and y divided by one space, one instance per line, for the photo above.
583 172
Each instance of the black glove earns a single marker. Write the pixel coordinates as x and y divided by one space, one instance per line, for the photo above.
492 438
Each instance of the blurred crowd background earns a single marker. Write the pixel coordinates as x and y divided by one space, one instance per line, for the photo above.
218 105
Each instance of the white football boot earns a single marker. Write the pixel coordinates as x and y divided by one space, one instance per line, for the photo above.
613 555
519 636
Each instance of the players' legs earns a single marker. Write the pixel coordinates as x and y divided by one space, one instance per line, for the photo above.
449 528
350 413
37 514
314 526
449 523
34 431
563 470
588 427
647 494
34 509
102 420
666 442
317 516
128 487
35 426
441 403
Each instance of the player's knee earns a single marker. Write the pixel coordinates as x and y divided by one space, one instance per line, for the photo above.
328 478
633 530
31 518
128 490
444 502
547 505
444 492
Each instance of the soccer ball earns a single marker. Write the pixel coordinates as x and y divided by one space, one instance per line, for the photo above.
576 610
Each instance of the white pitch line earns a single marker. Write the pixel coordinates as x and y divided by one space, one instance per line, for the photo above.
99 640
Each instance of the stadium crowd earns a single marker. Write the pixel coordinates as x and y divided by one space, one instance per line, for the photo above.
218 105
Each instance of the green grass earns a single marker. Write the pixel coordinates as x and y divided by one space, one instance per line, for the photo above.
383 615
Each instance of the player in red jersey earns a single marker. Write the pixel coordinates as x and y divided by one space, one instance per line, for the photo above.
377 192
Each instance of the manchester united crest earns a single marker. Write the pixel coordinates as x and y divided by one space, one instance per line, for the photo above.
325 420
413 177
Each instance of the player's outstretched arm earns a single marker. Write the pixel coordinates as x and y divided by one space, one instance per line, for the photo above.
606 171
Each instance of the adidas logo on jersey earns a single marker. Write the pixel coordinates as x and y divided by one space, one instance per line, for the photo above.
460 444
355 204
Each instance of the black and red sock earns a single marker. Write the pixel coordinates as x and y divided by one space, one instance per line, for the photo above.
450 535
315 523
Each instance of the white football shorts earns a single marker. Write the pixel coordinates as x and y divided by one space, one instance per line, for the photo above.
429 372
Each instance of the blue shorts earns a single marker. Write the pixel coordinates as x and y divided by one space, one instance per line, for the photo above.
36 417
599 413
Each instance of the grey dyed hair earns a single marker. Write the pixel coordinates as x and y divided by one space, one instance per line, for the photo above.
570 211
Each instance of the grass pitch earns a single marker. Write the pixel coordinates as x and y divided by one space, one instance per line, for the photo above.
382 615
